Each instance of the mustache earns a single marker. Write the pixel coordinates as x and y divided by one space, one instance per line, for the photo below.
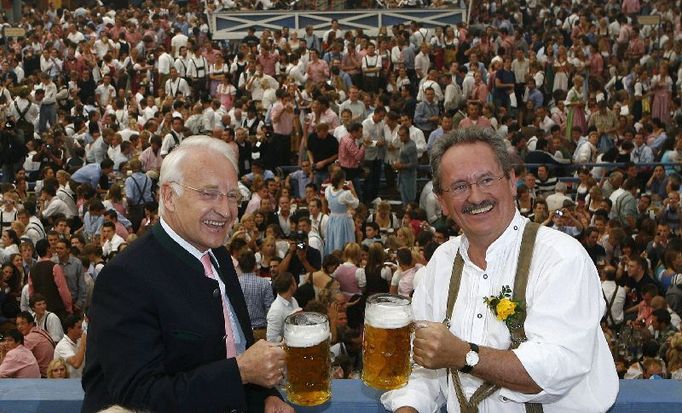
469 208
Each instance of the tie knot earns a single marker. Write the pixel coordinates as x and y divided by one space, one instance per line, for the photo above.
208 267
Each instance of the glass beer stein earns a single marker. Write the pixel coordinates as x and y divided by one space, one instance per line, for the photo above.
386 342
306 341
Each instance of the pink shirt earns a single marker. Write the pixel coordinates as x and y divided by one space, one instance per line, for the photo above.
150 161
630 6
318 71
481 122
350 155
282 122
406 283
268 62
20 363
330 118
41 345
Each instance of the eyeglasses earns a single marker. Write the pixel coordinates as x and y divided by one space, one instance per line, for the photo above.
459 189
212 195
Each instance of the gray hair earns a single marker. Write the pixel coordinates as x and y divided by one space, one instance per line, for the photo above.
171 168
468 136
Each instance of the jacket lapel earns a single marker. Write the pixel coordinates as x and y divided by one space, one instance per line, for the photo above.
234 291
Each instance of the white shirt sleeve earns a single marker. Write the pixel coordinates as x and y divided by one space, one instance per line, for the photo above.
361 277
347 198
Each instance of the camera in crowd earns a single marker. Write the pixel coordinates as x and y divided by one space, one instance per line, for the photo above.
300 238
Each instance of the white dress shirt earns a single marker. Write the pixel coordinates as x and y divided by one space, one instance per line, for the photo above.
566 353
279 310
65 349
618 301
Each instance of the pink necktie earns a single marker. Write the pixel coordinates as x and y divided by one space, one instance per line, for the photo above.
229 336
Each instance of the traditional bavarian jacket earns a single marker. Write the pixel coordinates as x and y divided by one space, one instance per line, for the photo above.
566 353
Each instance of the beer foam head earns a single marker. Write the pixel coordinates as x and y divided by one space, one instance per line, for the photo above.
305 329
388 311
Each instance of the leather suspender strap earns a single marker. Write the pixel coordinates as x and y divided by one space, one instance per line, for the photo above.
609 304
517 332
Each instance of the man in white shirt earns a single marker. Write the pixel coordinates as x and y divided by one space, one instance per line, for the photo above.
614 295
355 105
430 81
25 113
110 240
164 63
284 304
52 204
74 35
105 92
422 62
176 84
178 41
182 62
556 200
318 220
564 363
71 348
46 320
415 133
173 138
48 104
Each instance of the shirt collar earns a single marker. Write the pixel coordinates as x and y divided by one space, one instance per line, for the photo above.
184 244
513 231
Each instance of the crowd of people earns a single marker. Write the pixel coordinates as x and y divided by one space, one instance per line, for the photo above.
333 132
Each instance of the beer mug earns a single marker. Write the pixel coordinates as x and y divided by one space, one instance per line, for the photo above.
386 351
306 341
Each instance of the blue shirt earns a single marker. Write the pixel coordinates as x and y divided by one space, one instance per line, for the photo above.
90 173
301 180
433 137
259 296
423 112
138 189
92 225
267 174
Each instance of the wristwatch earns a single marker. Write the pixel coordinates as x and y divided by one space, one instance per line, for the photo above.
471 359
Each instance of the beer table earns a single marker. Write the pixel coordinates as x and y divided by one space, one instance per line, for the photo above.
349 396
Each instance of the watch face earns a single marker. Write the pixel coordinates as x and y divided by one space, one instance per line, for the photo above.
472 358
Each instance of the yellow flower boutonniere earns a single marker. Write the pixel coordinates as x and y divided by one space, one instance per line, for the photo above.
510 311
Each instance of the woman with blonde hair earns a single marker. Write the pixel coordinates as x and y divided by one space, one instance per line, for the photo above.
349 275
575 102
57 370
387 221
405 237
268 251
674 356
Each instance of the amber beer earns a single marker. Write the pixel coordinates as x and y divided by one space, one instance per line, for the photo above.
306 341
386 341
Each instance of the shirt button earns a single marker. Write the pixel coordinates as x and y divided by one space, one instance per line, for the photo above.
479 315
504 399
485 276
516 228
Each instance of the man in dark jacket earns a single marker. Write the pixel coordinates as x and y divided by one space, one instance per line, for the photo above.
170 330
